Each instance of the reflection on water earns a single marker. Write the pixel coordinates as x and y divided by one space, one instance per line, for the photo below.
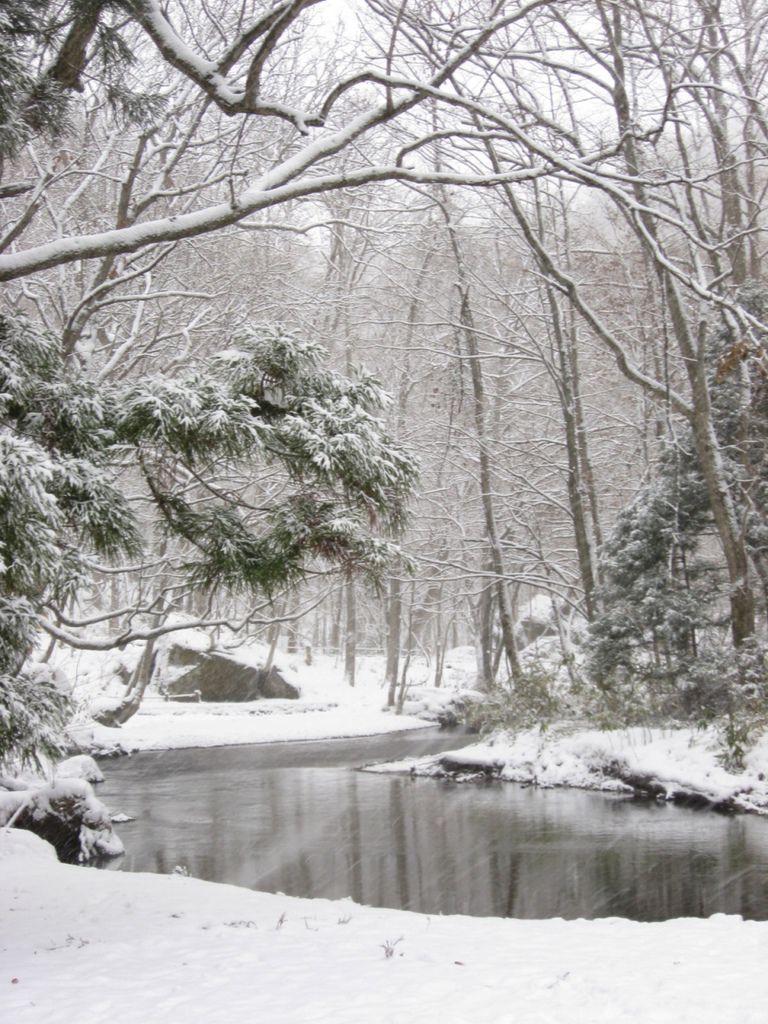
297 818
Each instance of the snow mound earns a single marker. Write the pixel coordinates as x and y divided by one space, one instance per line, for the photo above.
81 766
18 846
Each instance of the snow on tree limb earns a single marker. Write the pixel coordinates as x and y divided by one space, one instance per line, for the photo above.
286 181
222 215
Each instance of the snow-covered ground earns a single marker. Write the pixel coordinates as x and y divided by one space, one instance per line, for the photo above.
328 708
667 763
77 944
166 726
80 945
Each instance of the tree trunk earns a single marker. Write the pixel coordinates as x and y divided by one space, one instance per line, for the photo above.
274 636
566 387
407 660
350 634
394 617
731 535
137 685
469 334
484 640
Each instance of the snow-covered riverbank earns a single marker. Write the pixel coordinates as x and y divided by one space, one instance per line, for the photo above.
327 706
676 763
102 946
669 764
160 725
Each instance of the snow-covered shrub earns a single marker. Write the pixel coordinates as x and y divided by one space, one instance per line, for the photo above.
732 688
533 702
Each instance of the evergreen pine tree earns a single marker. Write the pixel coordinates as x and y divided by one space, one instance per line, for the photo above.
265 401
660 644
657 592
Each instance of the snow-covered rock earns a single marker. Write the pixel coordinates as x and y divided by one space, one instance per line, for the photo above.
65 813
80 766
218 676
438 704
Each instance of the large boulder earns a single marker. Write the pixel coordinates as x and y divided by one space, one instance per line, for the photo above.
216 676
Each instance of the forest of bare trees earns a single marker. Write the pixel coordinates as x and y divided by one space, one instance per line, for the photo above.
538 224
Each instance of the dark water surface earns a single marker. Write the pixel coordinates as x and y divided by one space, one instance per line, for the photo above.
297 818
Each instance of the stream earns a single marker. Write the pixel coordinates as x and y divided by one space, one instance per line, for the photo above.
298 818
